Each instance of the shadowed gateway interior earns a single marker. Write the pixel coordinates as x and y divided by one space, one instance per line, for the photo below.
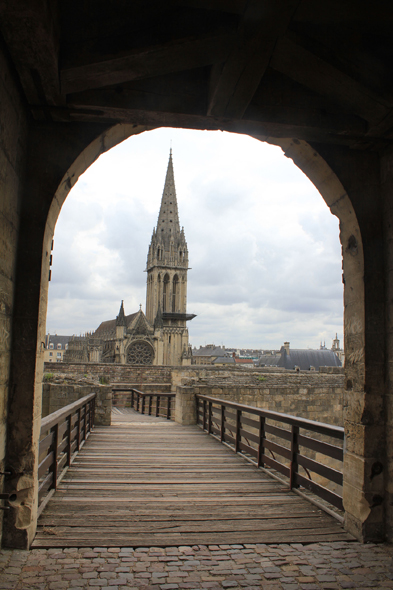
313 78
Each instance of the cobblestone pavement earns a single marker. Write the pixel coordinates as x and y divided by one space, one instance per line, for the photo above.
327 566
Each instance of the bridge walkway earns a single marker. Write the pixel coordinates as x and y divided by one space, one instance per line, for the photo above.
147 481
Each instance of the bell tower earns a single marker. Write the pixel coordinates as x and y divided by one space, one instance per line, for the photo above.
167 266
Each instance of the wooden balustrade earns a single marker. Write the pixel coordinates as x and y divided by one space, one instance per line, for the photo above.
153 404
281 442
63 433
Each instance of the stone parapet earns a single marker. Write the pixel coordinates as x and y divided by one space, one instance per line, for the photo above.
55 397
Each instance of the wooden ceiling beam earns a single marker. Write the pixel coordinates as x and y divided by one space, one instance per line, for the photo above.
296 122
164 96
234 84
307 69
31 32
174 56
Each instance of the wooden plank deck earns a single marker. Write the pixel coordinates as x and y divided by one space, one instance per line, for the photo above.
147 481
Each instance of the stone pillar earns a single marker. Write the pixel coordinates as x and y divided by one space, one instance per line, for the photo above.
51 151
350 183
185 407
381 470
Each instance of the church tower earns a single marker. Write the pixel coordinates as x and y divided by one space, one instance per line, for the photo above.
166 293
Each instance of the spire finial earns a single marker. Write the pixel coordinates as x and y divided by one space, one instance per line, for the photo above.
140 307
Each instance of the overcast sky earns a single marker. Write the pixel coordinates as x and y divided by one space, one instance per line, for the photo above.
263 246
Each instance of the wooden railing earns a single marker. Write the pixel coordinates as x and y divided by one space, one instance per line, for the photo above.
63 433
284 443
152 404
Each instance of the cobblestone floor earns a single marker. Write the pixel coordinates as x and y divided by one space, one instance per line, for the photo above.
327 566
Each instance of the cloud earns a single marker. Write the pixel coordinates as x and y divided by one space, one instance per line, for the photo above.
263 246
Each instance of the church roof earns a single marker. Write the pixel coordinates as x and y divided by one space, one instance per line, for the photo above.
110 325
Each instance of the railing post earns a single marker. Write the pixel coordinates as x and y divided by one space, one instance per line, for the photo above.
78 431
204 414
168 408
222 422
93 411
158 406
69 429
237 436
293 468
143 404
132 399
55 444
261 436
210 418
84 408
150 403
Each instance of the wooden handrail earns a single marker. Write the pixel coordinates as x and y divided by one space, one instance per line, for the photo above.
63 433
320 427
139 399
246 430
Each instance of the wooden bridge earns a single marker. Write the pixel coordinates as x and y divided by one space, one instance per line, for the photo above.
148 481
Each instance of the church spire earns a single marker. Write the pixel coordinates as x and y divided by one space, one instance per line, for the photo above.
168 219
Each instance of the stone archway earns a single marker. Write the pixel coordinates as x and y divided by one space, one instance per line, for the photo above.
322 175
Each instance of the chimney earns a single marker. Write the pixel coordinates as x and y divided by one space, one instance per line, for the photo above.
286 346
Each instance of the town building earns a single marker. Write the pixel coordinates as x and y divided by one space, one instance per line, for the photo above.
207 355
55 348
159 337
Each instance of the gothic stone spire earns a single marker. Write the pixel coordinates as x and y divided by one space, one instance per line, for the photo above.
168 219
168 245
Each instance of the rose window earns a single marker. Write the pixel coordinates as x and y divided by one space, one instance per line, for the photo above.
140 353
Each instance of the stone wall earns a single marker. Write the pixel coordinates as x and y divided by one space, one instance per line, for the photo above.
13 132
312 395
138 377
56 396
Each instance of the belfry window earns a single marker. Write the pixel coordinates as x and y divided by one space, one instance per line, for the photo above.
175 293
165 294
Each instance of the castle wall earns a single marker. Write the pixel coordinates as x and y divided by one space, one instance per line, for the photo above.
56 396
13 136
313 395
132 375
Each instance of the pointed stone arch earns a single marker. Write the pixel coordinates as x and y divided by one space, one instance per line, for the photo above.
333 173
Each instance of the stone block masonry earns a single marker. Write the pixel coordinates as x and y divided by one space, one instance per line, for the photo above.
311 395
136 376
56 396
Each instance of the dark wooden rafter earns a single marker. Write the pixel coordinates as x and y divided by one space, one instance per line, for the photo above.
307 130
30 30
252 66
234 82
304 67
176 55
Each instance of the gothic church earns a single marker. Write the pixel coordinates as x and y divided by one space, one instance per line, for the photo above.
161 336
